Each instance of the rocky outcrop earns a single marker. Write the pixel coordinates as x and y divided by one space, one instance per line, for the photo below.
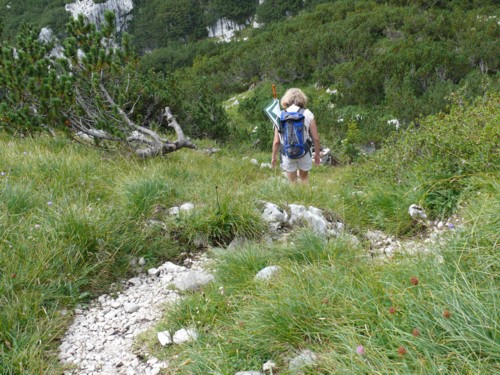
95 12
224 29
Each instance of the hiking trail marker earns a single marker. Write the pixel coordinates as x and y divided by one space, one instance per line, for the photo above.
273 109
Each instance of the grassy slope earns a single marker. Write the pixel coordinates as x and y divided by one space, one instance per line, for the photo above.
329 297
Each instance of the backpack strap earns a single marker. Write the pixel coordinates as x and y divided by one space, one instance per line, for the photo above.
308 141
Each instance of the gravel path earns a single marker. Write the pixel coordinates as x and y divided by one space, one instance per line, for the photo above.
101 337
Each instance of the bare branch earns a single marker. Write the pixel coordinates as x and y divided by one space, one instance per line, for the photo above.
126 119
181 141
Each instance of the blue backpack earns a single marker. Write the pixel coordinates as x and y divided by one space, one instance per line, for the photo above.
293 131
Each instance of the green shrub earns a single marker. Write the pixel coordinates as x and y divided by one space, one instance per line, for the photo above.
438 155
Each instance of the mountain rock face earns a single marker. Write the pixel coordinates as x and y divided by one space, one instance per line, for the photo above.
95 12
224 29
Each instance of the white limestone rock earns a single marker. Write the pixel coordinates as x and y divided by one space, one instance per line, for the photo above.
193 280
312 216
267 273
273 214
164 338
130 308
173 211
95 12
417 212
185 335
186 207
269 366
301 362
169 267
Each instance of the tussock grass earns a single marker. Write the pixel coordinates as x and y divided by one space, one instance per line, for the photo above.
331 298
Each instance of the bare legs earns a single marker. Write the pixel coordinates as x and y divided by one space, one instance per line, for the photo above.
298 176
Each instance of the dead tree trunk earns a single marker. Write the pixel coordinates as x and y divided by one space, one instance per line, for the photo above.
145 142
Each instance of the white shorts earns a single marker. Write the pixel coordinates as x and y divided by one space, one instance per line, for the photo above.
292 165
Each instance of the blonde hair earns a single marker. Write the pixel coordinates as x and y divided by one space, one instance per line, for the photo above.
294 96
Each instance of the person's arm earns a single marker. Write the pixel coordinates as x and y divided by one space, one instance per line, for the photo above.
276 147
313 130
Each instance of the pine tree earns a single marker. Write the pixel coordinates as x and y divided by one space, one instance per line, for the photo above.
86 91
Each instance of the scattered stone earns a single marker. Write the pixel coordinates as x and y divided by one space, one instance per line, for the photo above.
130 308
375 236
193 280
417 212
273 214
267 273
170 267
101 338
136 281
269 366
311 216
164 338
186 207
304 360
173 211
153 271
185 335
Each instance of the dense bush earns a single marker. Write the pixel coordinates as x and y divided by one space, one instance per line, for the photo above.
439 157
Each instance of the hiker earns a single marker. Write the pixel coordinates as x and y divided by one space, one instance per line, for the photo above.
295 100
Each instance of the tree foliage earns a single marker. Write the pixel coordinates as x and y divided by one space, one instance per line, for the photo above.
275 10
158 23
34 88
94 90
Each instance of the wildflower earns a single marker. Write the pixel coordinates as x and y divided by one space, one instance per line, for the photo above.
414 280
2 173
50 203
392 310
37 226
13 275
415 332
360 350
402 351
446 314
325 301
